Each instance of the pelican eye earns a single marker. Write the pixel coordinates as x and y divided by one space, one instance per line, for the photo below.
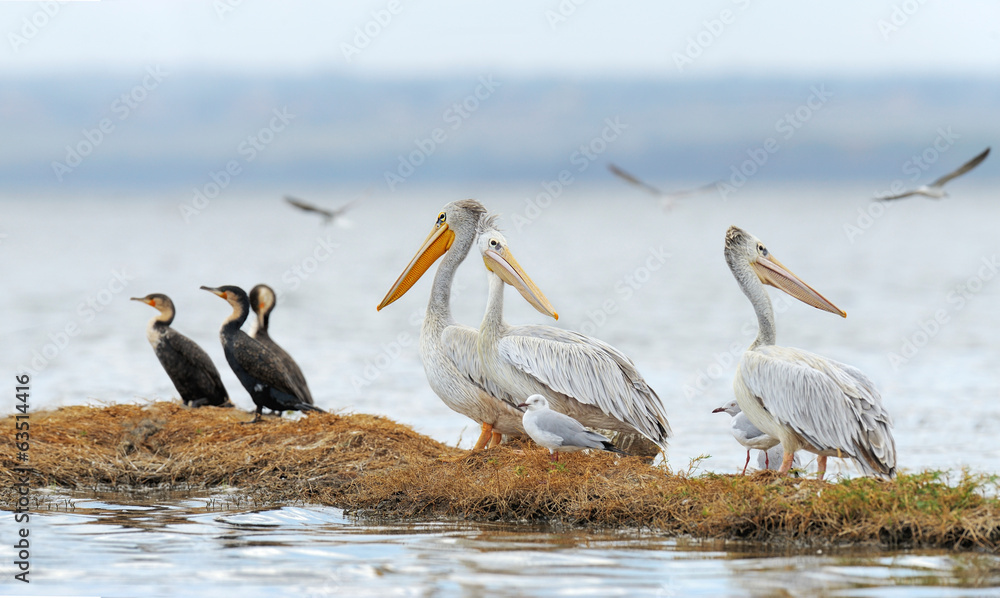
762 249
441 218
494 243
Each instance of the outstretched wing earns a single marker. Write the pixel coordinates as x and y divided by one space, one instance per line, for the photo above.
308 207
964 168
588 370
633 180
900 196
832 406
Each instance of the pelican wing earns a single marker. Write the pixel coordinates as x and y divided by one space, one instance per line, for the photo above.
964 168
461 346
832 406
588 370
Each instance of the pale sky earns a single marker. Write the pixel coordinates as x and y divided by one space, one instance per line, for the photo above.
528 37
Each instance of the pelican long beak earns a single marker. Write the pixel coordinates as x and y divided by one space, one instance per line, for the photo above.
772 272
436 244
509 271
214 291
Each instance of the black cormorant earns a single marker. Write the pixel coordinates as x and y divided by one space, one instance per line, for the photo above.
189 367
254 363
262 302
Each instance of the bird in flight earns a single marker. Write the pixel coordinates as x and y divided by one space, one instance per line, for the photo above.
329 216
936 189
666 198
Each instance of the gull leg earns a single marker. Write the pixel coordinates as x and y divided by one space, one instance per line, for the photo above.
767 462
786 463
747 463
821 466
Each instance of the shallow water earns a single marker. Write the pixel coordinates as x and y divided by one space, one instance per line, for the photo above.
616 266
685 323
184 546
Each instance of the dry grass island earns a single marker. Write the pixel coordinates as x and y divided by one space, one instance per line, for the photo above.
372 466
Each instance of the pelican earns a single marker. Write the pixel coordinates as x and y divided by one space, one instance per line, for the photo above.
448 349
806 401
581 377
936 189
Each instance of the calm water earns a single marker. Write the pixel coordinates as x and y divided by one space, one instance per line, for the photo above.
184 547
615 265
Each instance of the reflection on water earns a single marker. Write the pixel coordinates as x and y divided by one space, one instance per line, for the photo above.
184 546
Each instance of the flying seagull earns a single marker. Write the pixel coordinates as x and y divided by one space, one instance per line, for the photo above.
559 432
936 189
328 215
666 198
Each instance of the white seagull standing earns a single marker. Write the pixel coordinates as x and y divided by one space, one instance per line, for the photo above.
936 189
748 434
804 400
580 376
558 432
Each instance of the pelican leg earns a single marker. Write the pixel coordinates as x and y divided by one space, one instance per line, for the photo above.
821 466
496 439
747 463
786 463
484 437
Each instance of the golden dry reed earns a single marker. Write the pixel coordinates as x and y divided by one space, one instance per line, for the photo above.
376 467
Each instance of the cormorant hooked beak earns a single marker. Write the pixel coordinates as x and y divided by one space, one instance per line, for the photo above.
218 292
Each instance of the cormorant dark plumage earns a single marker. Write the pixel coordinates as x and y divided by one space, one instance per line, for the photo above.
254 363
262 302
189 367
